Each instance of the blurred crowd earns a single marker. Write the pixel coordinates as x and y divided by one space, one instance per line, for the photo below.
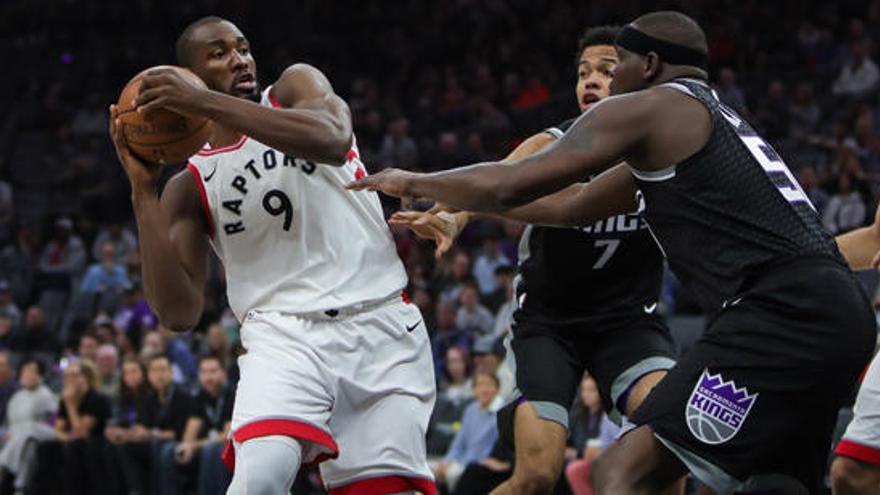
95 393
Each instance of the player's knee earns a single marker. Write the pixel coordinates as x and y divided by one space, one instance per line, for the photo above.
536 479
266 465
609 477
849 476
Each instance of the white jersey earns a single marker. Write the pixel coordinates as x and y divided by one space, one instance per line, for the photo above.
290 236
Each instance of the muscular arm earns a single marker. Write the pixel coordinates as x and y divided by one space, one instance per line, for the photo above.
861 246
313 123
599 139
174 251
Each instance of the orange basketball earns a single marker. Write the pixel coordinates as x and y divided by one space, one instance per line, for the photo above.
163 136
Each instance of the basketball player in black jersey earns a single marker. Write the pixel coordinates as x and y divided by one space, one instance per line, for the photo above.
588 298
753 404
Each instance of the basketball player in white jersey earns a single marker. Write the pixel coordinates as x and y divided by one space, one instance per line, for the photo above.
338 366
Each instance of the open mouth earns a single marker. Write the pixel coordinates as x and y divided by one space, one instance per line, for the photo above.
245 82
589 98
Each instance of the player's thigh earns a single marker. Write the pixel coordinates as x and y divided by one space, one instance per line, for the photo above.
628 358
547 373
540 444
284 387
384 402
734 408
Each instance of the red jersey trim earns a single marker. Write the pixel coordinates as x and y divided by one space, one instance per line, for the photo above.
223 149
847 448
382 485
206 208
286 427
272 99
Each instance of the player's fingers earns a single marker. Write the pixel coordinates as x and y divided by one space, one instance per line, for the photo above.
405 217
443 246
364 183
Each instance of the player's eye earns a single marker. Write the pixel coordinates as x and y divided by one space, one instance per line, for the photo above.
244 50
217 54
582 74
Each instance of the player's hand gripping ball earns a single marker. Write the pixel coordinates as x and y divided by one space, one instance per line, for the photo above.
161 136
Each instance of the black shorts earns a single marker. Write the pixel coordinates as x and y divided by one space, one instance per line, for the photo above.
754 402
550 360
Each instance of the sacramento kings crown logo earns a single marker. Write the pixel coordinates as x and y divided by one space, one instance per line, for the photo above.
717 409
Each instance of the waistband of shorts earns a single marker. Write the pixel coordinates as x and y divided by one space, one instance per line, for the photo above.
334 314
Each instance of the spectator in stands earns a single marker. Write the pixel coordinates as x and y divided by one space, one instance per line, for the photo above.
846 209
7 332
591 433
489 259
7 304
731 94
164 342
455 385
454 392
130 416
122 240
8 384
478 433
810 184
204 436
504 312
167 410
135 316
77 449
488 353
35 337
459 272
805 112
107 362
29 415
472 316
859 75
63 258
772 114
398 149
216 343
447 334
88 347
108 276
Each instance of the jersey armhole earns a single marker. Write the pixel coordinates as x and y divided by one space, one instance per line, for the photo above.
203 194
271 97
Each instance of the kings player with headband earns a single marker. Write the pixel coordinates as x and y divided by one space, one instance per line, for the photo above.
752 405
587 301
338 365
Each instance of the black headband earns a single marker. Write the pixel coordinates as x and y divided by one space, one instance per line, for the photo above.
636 41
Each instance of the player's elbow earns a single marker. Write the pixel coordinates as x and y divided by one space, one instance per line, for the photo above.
334 148
179 320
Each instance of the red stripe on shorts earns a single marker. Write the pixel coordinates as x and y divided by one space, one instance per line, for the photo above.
382 485
858 451
286 427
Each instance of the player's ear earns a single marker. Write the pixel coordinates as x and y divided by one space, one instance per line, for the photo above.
651 66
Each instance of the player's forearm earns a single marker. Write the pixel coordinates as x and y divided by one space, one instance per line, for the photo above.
167 285
859 246
553 209
317 135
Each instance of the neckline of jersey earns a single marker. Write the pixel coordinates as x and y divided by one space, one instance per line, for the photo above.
224 149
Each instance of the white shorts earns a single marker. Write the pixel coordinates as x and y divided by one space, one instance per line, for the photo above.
357 390
862 437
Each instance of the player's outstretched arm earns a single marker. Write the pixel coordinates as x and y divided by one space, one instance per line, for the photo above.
172 235
444 227
861 247
599 139
313 123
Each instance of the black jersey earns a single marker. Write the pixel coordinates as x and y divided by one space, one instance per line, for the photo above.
730 211
573 274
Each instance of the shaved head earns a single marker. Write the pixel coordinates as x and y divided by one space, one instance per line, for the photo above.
183 49
673 27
